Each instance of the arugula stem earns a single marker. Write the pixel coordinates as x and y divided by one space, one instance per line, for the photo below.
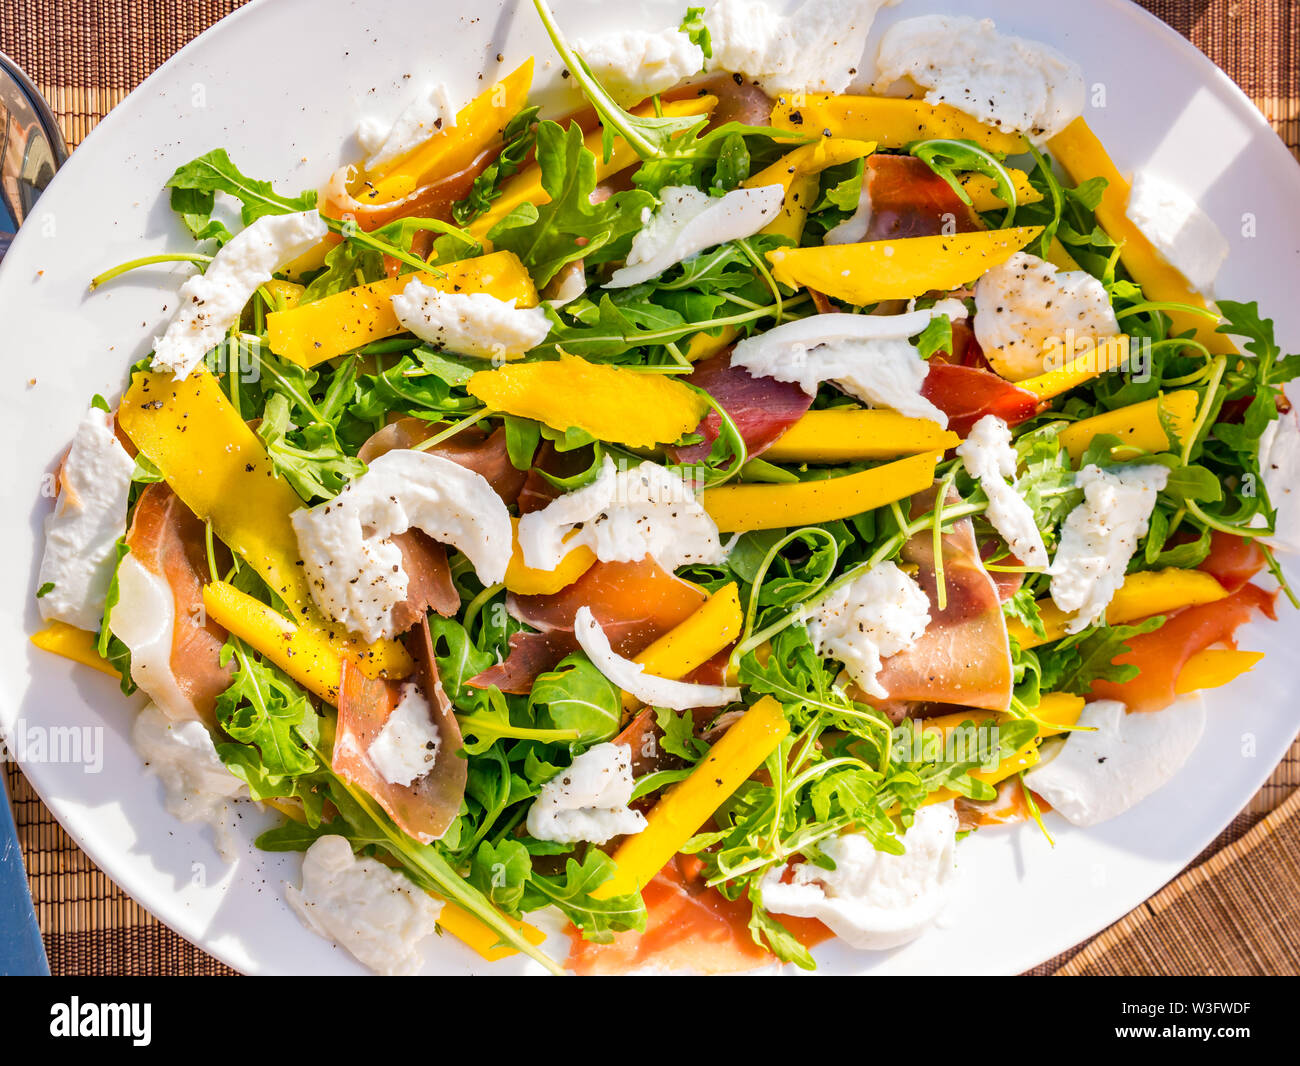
354 234
148 260
453 429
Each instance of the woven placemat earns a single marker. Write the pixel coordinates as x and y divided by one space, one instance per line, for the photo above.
1235 910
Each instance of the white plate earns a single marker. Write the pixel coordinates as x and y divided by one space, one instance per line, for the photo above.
281 85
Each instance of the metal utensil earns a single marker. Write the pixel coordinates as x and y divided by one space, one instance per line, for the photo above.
31 150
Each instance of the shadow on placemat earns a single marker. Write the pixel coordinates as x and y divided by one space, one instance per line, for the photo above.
86 55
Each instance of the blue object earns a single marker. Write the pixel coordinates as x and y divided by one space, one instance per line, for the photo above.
21 952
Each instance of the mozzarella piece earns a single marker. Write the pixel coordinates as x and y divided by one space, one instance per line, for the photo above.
635 64
88 519
144 619
197 787
1099 537
589 800
816 48
622 516
867 356
427 114
374 912
632 678
210 303
1113 759
1015 84
353 567
1030 317
873 900
1279 463
407 746
470 323
877 615
1184 234
987 455
689 221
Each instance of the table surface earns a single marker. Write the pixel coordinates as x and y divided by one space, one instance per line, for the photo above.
86 55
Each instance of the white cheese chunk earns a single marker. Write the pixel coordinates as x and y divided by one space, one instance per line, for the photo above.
988 456
632 678
634 64
872 900
622 516
429 113
88 519
144 619
1181 232
867 356
1015 84
407 746
470 323
196 784
1279 462
1099 537
210 303
1031 317
877 615
363 906
353 567
589 800
816 48
1114 759
689 221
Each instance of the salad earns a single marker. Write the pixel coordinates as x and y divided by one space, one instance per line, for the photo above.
679 523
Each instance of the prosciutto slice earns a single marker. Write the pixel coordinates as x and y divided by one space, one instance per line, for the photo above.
434 200
176 661
967 393
430 587
428 805
964 657
762 407
635 604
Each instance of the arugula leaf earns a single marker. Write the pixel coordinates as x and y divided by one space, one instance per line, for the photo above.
194 185
264 708
519 137
693 25
598 919
576 696
677 734
1073 664
936 337
546 238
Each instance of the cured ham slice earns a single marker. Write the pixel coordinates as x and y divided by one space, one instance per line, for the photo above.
427 806
762 407
967 393
175 646
1162 654
635 603
908 199
430 587
537 491
429 201
963 657
688 927
1233 560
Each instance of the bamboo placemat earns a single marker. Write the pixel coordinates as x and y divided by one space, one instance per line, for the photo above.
1236 909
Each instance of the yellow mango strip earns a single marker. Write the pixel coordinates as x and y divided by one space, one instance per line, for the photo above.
1059 257
310 654
218 467
798 175
524 580
1056 712
487 943
1109 354
1142 595
1138 425
695 641
851 434
79 645
688 805
287 292
890 122
612 403
706 344
898 269
1025 759
312 333
1082 156
737 508
1213 668
479 125
526 186
983 190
